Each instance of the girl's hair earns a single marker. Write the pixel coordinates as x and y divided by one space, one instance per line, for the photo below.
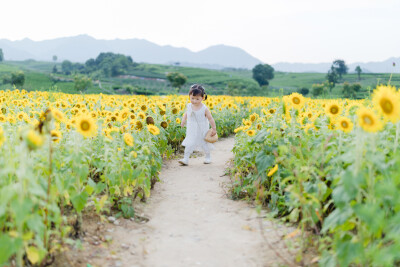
196 90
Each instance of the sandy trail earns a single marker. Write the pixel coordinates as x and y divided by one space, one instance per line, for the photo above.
193 222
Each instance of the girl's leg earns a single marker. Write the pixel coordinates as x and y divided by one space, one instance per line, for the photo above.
187 153
207 159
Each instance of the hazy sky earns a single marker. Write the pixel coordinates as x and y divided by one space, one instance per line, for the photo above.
271 30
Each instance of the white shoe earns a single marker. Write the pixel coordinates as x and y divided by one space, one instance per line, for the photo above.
207 161
184 162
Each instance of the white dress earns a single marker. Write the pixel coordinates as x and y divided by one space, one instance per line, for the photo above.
196 129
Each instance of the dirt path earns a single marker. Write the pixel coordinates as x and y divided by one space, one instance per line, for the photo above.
192 223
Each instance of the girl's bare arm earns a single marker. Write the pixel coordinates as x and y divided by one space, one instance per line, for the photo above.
183 122
212 122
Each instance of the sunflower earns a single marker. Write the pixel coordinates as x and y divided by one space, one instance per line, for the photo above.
93 114
387 101
138 125
58 115
178 120
128 139
86 125
164 124
21 115
296 100
368 120
162 111
344 124
175 111
273 170
251 132
107 133
55 135
253 117
124 114
238 129
133 154
149 120
143 107
333 109
141 115
2 137
247 123
34 140
153 129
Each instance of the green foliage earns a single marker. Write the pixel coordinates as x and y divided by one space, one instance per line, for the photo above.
1 55
350 90
332 76
82 82
339 66
110 64
358 70
304 91
235 88
18 78
176 79
6 79
318 89
66 67
341 187
262 73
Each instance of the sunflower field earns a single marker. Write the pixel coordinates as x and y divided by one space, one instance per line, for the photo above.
331 167
62 155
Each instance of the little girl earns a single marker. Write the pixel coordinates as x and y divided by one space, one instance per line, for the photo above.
198 118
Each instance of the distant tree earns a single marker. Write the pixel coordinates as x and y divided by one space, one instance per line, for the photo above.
176 79
358 70
66 67
262 73
318 89
304 91
340 67
332 76
350 90
6 79
18 79
111 64
78 68
54 69
82 82
235 88
1 55
55 58
129 88
90 65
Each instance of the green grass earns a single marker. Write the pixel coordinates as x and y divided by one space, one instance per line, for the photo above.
38 78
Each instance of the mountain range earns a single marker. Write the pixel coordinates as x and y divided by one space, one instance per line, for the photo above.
83 47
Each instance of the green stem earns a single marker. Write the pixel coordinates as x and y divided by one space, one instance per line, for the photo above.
48 191
396 139
359 150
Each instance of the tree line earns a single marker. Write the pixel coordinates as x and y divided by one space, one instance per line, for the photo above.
105 64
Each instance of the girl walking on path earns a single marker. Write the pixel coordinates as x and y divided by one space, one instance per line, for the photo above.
198 118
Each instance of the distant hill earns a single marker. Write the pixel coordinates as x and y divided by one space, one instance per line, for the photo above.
82 47
368 67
